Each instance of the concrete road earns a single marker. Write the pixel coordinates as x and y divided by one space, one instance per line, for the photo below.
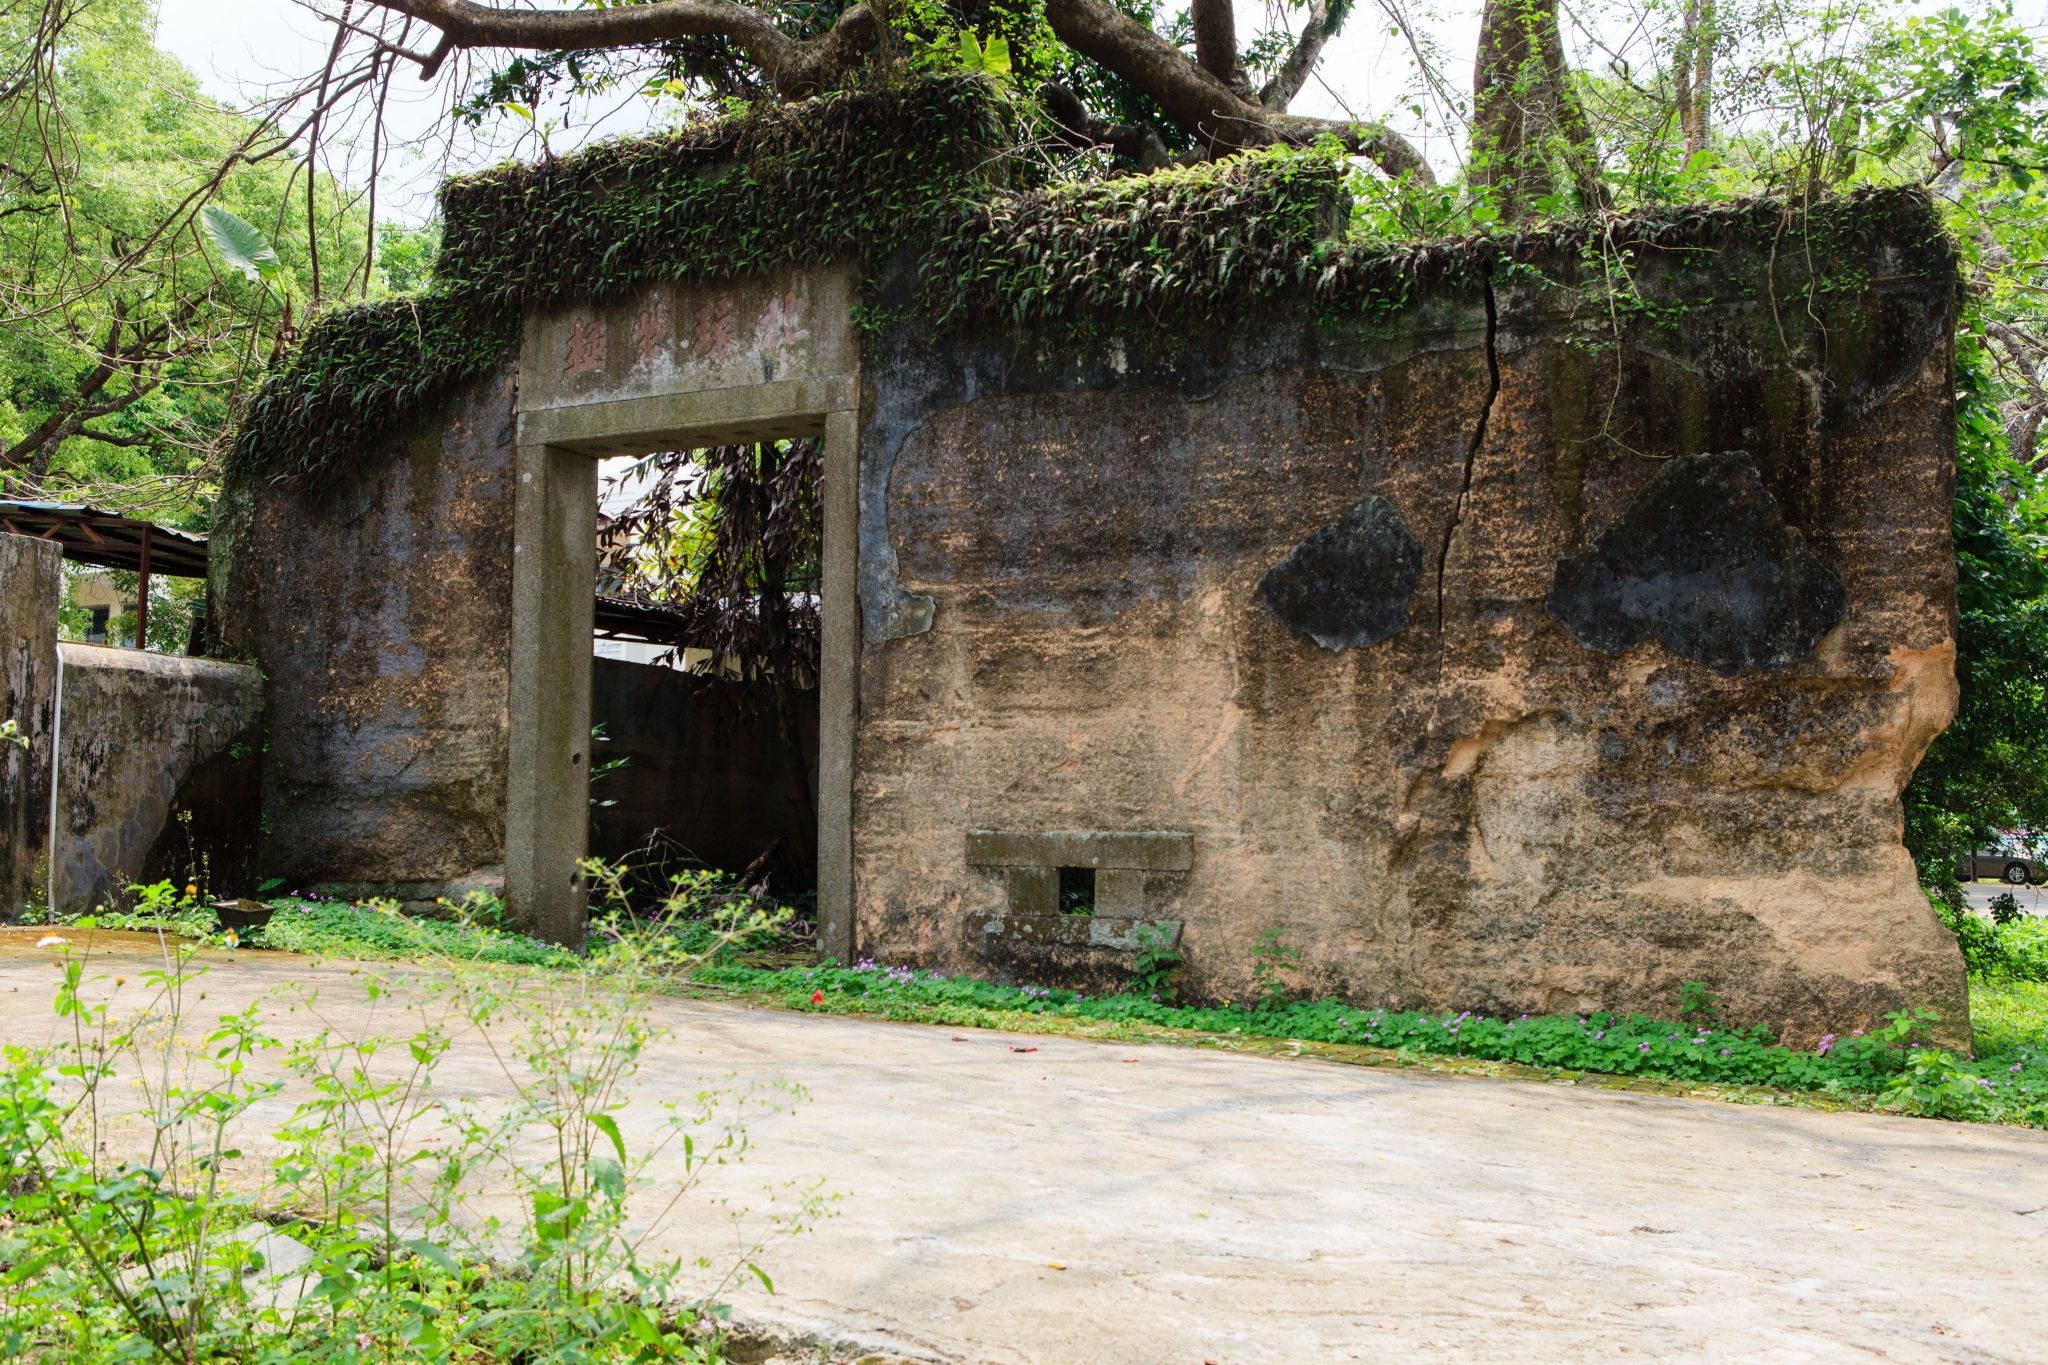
2033 899
1087 1202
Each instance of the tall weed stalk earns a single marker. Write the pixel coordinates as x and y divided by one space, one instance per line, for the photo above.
183 1184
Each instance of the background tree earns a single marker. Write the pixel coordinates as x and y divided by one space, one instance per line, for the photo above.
125 339
1529 132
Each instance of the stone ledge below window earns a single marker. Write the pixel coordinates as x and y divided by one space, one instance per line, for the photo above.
1109 933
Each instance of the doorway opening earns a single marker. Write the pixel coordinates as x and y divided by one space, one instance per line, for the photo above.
704 715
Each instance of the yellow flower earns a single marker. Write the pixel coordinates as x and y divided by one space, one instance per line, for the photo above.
191 888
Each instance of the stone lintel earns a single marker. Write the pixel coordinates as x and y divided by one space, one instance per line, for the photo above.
1143 850
631 426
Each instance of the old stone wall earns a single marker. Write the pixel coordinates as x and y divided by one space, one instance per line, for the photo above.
31 576
158 767
1512 652
380 612
1541 629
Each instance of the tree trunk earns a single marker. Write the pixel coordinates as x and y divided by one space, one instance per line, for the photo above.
1527 121
1692 75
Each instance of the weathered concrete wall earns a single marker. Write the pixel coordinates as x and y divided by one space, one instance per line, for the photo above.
158 770
709 778
1509 652
31 576
380 615
1463 645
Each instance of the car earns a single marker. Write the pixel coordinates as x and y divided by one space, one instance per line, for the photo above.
2008 864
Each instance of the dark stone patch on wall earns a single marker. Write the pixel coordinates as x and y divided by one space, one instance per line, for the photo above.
1703 562
1347 584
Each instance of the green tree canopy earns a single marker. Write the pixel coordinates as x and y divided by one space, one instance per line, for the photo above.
127 336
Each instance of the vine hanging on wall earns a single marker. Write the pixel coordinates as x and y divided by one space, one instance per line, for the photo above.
925 168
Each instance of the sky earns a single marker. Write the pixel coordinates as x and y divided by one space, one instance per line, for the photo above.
239 46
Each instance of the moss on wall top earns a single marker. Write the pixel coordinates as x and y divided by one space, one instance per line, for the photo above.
868 173
785 184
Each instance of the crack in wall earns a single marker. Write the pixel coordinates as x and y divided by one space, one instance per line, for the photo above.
1443 555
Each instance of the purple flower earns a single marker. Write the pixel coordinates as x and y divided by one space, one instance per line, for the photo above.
1642 1047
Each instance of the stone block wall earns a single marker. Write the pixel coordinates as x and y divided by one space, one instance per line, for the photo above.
1558 635
159 763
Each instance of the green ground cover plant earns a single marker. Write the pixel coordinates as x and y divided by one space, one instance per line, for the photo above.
332 928
469 930
1898 1065
2009 1017
2016 950
732 944
133 1227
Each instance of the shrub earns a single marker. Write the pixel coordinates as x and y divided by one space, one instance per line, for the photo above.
2016 949
160 1240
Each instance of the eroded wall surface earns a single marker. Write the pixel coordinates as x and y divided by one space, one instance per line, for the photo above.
380 613
1506 654
158 764
1522 648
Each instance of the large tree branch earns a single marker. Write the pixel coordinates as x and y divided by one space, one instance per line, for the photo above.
795 67
1377 143
1215 25
90 398
109 439
1137 143
1202 104
1325 18
1193 98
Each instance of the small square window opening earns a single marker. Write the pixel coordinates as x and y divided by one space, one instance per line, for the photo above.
1077 891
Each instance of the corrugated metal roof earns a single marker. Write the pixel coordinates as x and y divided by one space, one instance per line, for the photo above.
93 535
